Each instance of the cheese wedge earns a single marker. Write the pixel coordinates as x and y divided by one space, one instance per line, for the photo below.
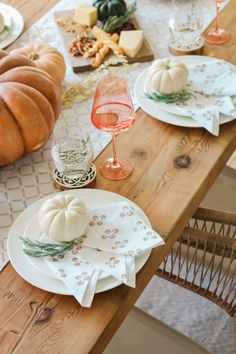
86 15
131 42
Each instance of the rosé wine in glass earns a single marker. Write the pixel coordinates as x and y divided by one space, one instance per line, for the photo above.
113 117
113 113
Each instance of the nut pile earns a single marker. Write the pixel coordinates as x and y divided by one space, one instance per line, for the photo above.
81 44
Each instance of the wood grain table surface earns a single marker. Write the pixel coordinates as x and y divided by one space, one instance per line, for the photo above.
173 170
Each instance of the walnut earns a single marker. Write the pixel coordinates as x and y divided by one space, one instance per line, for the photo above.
81 44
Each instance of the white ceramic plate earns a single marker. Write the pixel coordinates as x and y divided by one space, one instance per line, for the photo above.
14 20
21 263
159 110
7 26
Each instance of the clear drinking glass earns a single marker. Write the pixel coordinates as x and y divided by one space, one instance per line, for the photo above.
73 155
186 25
113 113
217 35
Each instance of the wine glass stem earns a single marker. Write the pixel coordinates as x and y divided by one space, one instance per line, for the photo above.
217 16
114 163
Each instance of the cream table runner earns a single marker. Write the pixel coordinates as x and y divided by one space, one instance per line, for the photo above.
30 178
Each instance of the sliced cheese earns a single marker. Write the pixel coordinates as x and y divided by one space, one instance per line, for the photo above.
86 15
131 42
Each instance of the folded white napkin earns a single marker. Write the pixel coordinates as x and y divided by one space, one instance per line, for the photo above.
115 235
117 228
207 110
214 85
79 277
216 78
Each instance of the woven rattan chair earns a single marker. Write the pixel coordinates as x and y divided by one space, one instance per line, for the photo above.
203 259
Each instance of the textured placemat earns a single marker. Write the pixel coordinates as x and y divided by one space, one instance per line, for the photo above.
30 178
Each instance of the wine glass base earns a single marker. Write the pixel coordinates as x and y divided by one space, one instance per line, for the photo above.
219 37
118 171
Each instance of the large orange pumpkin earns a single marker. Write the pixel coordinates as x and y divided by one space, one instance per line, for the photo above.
29 107
45 58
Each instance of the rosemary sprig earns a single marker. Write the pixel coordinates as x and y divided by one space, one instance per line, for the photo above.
40 249
114 22
6 28
178 98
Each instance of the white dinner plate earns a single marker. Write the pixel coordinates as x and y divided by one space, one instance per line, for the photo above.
14 20
21 263
166 113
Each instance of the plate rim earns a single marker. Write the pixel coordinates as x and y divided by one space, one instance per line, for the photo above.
108 283
12 36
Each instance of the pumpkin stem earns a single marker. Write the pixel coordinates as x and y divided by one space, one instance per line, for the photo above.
33 56
167 67
2 53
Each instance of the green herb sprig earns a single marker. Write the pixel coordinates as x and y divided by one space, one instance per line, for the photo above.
178 98
40 249
6 28
114 22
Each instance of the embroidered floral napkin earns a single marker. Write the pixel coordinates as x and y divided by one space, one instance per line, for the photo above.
214 85
81 268
115 235
216 78
116 228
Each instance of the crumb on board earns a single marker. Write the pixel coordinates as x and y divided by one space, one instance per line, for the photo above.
70 26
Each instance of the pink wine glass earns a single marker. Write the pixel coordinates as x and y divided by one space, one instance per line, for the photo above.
218 35
113 113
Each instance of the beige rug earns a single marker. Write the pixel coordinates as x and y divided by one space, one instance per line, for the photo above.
189 313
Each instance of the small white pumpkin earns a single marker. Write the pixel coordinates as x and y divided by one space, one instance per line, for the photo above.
167 76
63 218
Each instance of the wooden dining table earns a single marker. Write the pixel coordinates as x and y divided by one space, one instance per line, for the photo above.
174 168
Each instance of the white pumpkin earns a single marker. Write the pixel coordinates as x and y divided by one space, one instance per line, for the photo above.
167 76
63 218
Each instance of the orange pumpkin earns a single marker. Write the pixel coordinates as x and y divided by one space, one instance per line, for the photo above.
29 107
45 58
8 62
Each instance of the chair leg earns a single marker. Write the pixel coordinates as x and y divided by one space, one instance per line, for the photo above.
235 332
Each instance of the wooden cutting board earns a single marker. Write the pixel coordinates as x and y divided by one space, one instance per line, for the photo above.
79 64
